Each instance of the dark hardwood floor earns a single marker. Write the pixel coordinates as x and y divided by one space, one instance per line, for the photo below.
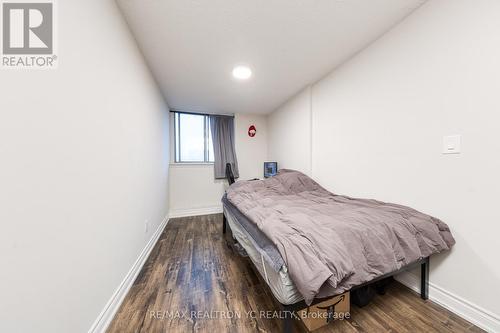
191 269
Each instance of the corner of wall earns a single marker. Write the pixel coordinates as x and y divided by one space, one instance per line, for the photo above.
465 309
111 308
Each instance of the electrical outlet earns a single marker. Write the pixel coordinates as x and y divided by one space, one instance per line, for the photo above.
146 226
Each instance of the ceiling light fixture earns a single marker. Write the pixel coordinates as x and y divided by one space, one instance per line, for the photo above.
242 72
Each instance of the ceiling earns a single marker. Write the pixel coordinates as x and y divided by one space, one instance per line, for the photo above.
192 46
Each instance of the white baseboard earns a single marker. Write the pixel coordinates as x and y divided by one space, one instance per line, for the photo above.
195 211
106 316
478 316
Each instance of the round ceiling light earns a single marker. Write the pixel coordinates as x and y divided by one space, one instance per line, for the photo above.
242 72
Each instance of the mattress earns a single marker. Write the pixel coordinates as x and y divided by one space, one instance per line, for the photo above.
279 281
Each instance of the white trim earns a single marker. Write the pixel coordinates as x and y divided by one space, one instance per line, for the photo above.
311 127
463 308
195 211
203 113
106 316
191 164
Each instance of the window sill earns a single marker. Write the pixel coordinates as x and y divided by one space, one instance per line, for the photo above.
183 164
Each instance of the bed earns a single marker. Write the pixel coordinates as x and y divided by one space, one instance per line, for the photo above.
280 225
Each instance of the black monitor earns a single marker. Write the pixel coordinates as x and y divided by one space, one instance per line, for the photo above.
270 169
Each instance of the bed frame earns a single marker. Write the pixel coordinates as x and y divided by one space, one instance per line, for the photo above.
289 310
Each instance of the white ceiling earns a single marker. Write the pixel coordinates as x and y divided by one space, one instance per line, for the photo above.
192 45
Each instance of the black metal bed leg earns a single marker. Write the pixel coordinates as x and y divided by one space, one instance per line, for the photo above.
424 279
287 320
224 223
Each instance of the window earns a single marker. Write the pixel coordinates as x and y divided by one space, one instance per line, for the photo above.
193 138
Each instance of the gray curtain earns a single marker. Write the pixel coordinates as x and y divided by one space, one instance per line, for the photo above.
222 128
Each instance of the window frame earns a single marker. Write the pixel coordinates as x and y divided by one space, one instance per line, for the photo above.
177 138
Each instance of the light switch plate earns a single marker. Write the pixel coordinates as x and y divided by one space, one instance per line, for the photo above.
452 144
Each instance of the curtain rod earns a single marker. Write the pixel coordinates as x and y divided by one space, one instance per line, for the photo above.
201 113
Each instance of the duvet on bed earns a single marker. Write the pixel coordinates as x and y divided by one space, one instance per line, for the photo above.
334 241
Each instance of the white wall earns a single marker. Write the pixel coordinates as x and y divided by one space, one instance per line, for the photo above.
84 162
290 133
377 128
193 189
251 151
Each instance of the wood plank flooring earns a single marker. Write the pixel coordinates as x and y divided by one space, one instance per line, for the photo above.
192 269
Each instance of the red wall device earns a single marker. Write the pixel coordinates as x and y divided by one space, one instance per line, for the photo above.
252 131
